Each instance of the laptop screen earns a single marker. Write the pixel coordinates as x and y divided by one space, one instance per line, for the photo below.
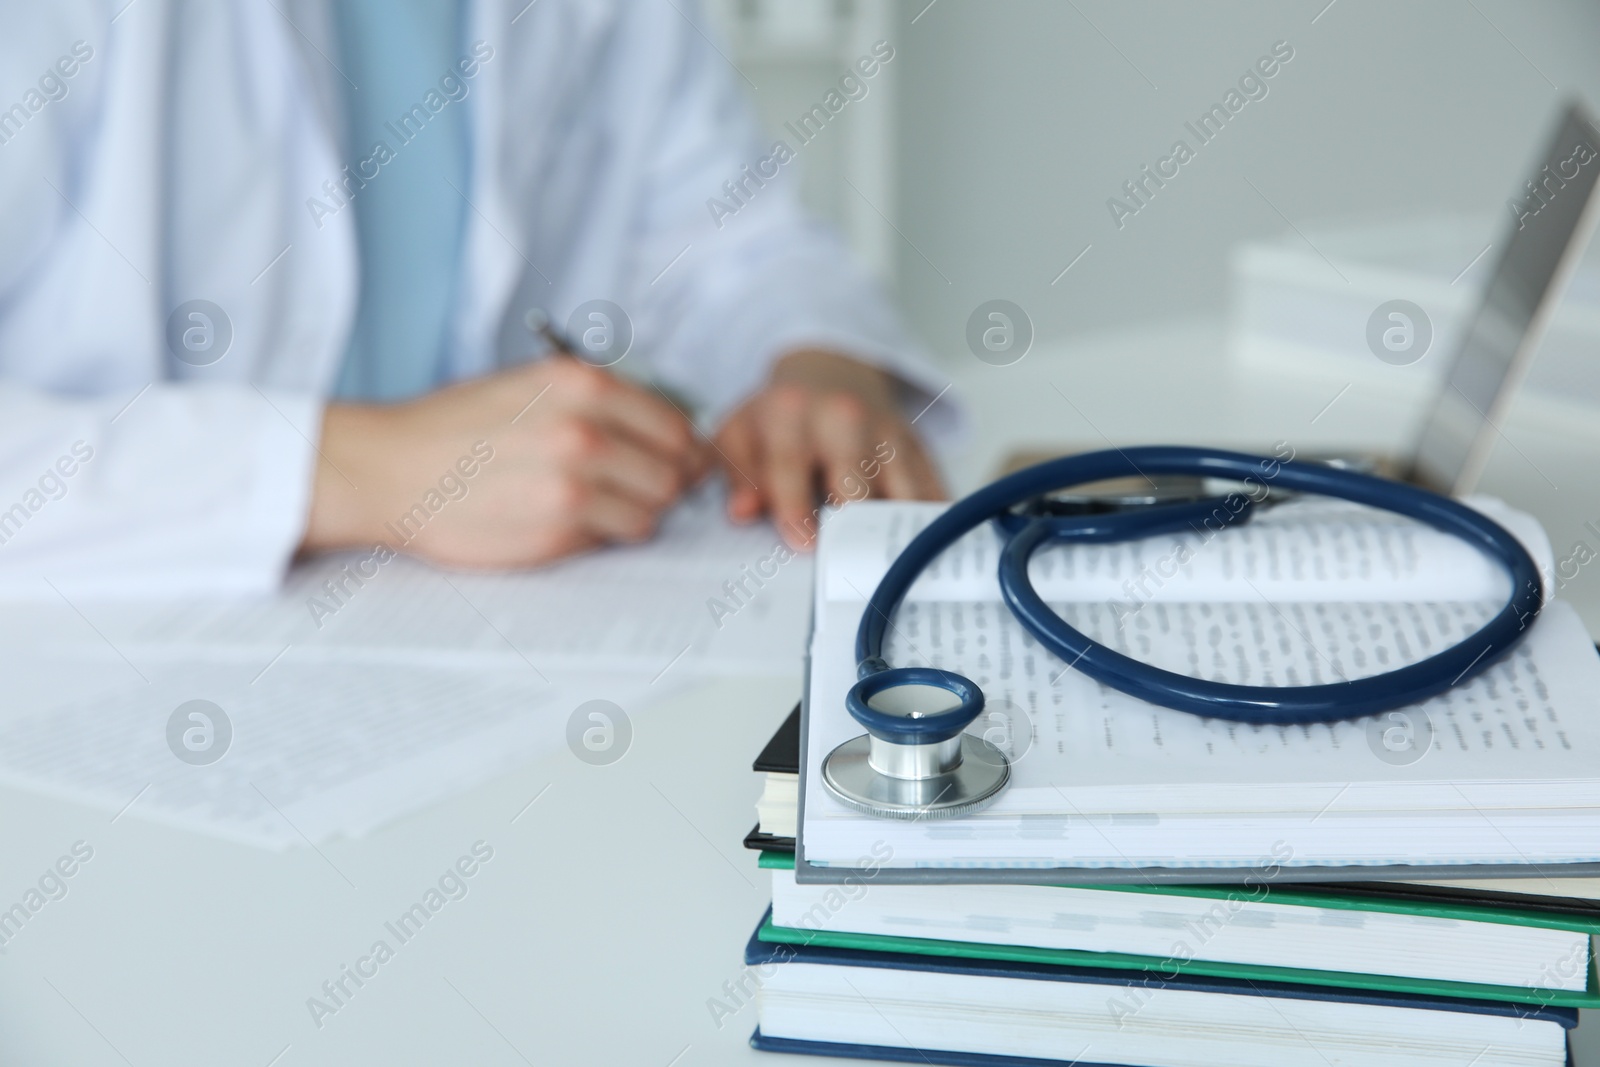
1543 243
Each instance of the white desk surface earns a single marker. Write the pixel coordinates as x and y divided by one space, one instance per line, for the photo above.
619 902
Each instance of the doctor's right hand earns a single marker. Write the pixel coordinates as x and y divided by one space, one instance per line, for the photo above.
562 457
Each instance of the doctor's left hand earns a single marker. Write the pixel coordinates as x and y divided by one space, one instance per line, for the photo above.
827 429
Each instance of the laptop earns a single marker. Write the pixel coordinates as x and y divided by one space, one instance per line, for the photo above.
1550 221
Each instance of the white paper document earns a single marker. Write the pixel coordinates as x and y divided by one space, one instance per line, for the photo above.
703 595
1502 769
312 750
364 691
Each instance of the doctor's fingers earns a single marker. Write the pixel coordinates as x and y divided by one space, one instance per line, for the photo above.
638 472
739 452
788 463
615 516
631 410
904 469
870 452
839 429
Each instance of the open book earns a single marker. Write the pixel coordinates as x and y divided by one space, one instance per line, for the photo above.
1504 769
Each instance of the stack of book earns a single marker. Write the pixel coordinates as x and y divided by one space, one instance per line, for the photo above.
1154 888
1363 973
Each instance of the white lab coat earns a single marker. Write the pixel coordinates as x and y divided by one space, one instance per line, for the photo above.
179 164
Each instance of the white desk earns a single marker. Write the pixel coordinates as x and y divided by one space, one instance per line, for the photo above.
613 908
615 905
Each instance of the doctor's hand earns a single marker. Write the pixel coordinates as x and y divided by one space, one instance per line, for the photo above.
826 429
513 469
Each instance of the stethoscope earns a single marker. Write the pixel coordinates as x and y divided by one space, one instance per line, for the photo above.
916 761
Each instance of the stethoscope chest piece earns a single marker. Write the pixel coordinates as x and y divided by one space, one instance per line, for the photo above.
915 761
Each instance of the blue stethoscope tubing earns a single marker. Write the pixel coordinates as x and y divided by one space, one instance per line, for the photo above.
1264 705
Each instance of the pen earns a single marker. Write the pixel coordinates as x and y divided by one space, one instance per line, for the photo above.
538 323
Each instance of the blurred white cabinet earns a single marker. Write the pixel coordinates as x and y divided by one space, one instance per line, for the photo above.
1291 309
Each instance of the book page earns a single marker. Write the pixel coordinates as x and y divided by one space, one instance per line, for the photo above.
1535 715
1500 769
1308 549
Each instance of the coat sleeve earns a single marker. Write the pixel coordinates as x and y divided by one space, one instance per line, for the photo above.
177 490
116 480
725 292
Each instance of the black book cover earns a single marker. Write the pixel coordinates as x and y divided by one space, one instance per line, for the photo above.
759 841
782 754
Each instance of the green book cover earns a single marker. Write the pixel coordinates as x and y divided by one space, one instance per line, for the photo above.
1588 998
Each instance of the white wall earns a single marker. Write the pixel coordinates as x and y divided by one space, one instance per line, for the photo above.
1018 119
